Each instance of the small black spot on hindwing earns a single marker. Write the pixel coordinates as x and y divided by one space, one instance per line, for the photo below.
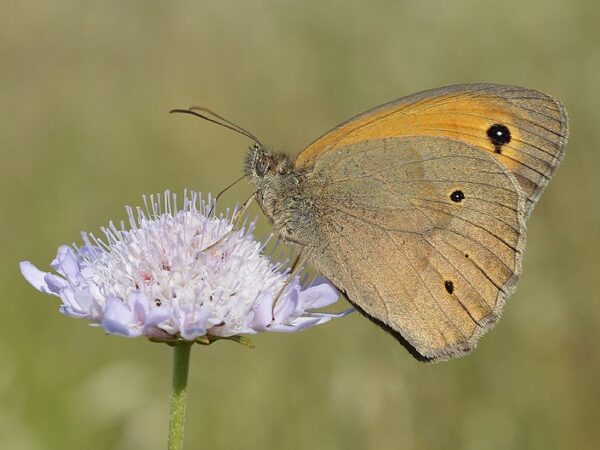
499 135
457 196
449 285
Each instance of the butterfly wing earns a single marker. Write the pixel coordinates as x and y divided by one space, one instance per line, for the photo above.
523 129
423 234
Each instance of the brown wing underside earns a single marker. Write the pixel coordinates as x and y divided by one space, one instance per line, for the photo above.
423 234
536 123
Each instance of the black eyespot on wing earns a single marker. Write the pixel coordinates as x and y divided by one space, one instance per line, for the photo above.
449 285
457 196
499 135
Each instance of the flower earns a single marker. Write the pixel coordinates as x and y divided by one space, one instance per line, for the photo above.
164 279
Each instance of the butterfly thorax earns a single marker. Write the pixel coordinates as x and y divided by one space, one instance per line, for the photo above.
279 192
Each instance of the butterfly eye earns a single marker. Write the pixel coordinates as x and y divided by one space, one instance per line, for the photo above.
263 164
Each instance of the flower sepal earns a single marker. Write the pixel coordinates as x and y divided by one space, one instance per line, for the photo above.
204 340
209 339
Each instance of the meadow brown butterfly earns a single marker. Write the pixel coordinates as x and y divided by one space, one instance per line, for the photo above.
416 210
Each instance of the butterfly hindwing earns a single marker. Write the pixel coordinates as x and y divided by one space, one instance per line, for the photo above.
423 234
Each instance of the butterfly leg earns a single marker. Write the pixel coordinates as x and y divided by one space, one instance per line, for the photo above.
239 214
237 223
296 266
212 208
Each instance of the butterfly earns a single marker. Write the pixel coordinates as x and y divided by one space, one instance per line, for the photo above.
416 210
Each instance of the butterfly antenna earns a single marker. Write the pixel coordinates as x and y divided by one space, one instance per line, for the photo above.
227 121
212 208
204 113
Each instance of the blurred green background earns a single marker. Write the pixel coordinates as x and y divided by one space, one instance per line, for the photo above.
85 88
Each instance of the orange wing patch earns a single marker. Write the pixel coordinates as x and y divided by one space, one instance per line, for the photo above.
461 119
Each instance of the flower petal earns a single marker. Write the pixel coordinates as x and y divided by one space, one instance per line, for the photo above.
55 283
192 321
288 305
66 263
263 312
81 304
155 321
299 324
319 295
125 319
308 321
35 277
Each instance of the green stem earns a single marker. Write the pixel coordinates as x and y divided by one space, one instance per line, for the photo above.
181 363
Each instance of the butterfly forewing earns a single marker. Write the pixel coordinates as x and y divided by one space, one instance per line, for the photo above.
524 129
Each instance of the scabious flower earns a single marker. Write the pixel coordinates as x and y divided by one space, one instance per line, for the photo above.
164 279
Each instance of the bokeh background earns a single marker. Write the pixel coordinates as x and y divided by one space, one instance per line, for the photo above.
85 88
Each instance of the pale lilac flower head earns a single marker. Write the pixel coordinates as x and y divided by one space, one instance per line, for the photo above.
160 279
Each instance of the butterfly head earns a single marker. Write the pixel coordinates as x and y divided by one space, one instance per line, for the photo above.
263 166
278 187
